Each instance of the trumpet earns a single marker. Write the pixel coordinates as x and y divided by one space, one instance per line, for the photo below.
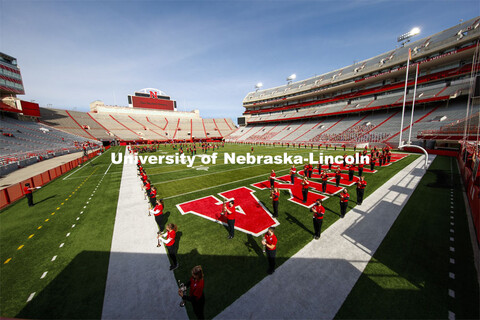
183 288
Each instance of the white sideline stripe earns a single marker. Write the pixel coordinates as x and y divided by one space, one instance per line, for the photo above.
451 315
327 270
30 297
451 293
44 274
83 165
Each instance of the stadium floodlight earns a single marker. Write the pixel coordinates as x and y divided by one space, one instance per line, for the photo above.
291 78
258 86
406 36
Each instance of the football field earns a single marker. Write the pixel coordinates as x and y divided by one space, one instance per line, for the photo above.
57 253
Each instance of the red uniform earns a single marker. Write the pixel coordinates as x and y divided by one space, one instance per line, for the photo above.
275 196
318 211
196 288
171 236
293 171
26 190
158 210
361 184
231 212
344 197
271 240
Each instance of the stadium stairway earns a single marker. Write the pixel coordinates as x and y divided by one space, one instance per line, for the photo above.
317 279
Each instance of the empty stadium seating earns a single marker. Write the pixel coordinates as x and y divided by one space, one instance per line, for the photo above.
22 140
133 126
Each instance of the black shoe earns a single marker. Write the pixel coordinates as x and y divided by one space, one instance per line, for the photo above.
230 237
316 238
174 267
342 216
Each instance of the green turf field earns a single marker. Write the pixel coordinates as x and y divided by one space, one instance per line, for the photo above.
31 237
79 271
409 275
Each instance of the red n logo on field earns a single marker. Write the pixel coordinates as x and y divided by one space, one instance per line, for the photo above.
252 217
153 94
295 190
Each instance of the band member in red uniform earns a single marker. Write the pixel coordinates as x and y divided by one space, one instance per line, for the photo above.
196 296
153 196
272 179
305 184
168 238
318 212
324 177
351 171
293 171
329 165
148 188
28 193
270 243
275 196
338 176
231 213
310 170
345 160
344 196
380 159
158 213
372 162
361 184
360 169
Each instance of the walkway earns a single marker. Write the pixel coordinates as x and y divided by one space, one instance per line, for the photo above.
315 282
139 283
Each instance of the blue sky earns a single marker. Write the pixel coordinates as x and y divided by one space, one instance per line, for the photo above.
207 55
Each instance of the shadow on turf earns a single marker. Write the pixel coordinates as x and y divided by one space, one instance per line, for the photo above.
45 199
77 292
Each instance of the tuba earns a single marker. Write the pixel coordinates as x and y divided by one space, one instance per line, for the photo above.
183 288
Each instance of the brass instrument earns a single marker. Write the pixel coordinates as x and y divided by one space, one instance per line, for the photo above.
183 288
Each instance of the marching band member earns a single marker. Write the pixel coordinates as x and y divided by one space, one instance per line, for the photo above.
158 214
324 177
153 196
361 184
196 296
305 184
344 196
169 243
338 175
272 178
275 196
318 212
270 243
293 171
28 193
351 172
230 212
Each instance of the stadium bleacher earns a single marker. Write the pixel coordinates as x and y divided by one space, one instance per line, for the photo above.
25 140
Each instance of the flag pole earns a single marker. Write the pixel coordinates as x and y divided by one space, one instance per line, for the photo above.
404 99
413 106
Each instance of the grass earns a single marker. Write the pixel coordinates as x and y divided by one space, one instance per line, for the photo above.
408 276
77 277
73 286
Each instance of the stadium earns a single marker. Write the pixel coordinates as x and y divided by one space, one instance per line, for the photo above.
80 226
